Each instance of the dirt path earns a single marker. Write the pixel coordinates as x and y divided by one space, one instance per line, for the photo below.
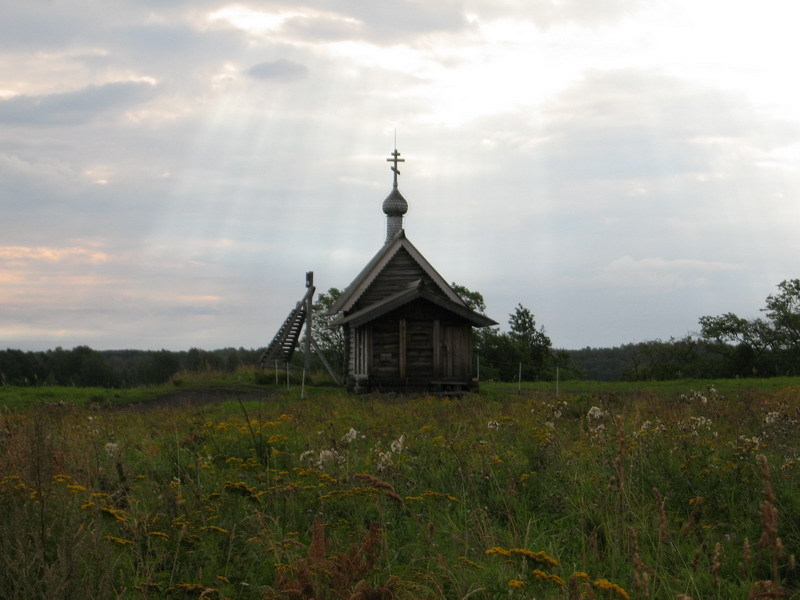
195 397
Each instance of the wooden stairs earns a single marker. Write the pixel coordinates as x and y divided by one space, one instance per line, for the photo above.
285 342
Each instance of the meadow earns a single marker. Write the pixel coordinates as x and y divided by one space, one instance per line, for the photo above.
607 491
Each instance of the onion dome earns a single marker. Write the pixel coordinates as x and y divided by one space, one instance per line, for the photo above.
395 206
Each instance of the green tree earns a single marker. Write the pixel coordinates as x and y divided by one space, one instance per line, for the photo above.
783 312
533 346
473 300
768 345
330 339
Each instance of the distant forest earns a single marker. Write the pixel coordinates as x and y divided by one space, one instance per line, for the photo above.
728 346
686 358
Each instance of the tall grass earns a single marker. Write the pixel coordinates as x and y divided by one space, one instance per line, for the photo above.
631 494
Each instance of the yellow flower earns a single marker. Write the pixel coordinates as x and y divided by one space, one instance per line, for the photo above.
214 528
542 576
118 514
539 557
605 584
158 534
516 583
467 561
119 541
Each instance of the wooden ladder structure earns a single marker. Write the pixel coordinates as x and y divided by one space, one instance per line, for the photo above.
283 345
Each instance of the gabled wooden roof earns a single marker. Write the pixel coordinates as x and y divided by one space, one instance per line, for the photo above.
349 298
414 291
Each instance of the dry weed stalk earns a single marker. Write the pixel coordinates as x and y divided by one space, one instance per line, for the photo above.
580 587
763 590
716 564
641 572
694 516
343 575
662 517
769 522
388 488
619 461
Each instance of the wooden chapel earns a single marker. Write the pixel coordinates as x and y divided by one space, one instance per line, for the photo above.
405 328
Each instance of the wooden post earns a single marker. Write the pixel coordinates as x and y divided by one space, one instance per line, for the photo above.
309 321
401 348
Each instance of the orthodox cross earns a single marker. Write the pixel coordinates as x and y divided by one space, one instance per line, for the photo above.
395 159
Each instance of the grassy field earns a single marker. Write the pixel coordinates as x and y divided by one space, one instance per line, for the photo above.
221 488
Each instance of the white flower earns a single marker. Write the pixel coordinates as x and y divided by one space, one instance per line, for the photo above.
398 445
384 461
494 425
596 413
306 455
325 457
772 418
350 436
112 449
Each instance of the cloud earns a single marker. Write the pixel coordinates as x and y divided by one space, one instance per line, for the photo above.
75 107
658 273
551 13
279 70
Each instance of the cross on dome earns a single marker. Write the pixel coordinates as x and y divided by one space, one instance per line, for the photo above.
395 159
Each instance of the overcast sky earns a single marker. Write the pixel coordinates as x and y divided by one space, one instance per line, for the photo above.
169 170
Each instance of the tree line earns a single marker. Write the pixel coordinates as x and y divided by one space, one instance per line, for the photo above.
84 367
726 346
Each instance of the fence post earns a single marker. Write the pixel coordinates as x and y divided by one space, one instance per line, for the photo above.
556 381
519 379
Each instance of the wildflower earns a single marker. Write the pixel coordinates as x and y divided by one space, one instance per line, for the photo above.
118 514
542 576
325 457
160 534
384 461
240 488
350 436
398 445
516 583
120 541
76 488
494 425
112 449
214 528
605 584
467 561
539 557
306 455
596 413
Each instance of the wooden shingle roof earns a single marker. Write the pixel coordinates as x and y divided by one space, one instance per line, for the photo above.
393 249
